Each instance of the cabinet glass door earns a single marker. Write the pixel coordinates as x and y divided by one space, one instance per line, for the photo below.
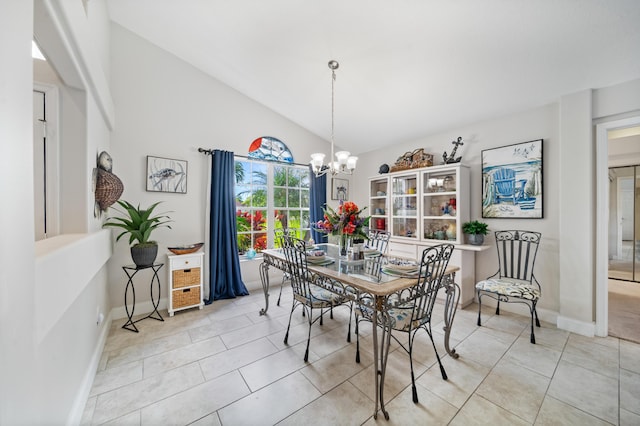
439 205
405 206
378 194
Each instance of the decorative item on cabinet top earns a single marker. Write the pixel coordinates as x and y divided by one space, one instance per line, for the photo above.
413 160
452 158
185 248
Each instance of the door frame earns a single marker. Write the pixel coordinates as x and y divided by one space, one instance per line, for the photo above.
52 107
602 219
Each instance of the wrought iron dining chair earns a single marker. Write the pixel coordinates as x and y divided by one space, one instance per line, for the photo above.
305 294
379 241
514 281
410 310
279 243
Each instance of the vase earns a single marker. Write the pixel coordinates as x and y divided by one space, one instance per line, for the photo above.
476 239
144 255
344 241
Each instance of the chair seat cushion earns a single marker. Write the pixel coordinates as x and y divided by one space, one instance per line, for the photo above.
320 297
510 287
400 317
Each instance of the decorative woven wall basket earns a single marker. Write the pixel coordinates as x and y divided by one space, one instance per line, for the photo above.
108 189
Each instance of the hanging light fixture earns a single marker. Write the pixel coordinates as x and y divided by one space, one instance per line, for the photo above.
345 162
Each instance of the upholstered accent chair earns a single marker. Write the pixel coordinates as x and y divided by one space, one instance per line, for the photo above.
305 294
410 310
514 281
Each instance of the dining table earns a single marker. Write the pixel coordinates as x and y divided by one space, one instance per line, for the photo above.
372 283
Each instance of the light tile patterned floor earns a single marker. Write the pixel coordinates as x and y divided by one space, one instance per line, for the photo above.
227 365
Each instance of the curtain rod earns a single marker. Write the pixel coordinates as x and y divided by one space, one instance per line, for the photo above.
210 152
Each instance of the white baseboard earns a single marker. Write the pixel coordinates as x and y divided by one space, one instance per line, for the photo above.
77 410
145 307
575 326
545 315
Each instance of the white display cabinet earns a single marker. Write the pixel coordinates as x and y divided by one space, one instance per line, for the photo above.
425 207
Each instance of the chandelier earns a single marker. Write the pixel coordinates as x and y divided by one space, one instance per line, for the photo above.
345 162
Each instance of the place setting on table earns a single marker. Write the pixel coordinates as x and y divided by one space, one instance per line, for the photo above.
319 257
401 268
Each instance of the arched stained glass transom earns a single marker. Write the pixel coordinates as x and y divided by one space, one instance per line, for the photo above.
268 148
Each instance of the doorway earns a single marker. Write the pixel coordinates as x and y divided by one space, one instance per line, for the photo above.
624 223
618 228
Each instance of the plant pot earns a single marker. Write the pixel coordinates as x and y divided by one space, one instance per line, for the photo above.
475 239
144 255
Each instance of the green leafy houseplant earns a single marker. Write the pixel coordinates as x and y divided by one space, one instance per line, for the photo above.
475 231
138 223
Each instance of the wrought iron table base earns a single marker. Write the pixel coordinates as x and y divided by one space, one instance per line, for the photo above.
131 272
381 352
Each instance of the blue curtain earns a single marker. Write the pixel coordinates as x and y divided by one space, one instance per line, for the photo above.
318 195
225 277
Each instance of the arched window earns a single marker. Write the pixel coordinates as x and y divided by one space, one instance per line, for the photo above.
267 148
270 195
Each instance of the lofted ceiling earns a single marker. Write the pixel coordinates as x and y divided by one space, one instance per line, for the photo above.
408 68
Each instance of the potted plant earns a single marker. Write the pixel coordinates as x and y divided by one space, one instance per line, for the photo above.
475 231
139 224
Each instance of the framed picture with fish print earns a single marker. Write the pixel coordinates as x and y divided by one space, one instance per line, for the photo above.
166 175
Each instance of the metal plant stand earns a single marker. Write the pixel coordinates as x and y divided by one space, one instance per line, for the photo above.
131 271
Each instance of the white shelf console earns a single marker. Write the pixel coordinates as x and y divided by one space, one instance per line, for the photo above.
185 281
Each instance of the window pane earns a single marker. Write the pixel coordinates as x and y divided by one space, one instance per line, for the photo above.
259 196
304 198
294 178
304 178
280 175
294 198
260 242
279 197
259 220
282 219
243 172
243 225
259 174
294 219
305 219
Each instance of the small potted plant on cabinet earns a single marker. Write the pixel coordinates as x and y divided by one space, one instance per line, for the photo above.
475 231
139 224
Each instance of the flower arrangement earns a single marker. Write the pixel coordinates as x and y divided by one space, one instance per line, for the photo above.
346 221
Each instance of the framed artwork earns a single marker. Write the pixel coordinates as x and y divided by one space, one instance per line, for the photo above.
512 181
166 175
339 189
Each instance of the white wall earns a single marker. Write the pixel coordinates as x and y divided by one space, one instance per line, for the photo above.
539 123
47 371
17 276
167 108
566 264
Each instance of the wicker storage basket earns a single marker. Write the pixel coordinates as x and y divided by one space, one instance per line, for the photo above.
186 277
108 189
186 297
